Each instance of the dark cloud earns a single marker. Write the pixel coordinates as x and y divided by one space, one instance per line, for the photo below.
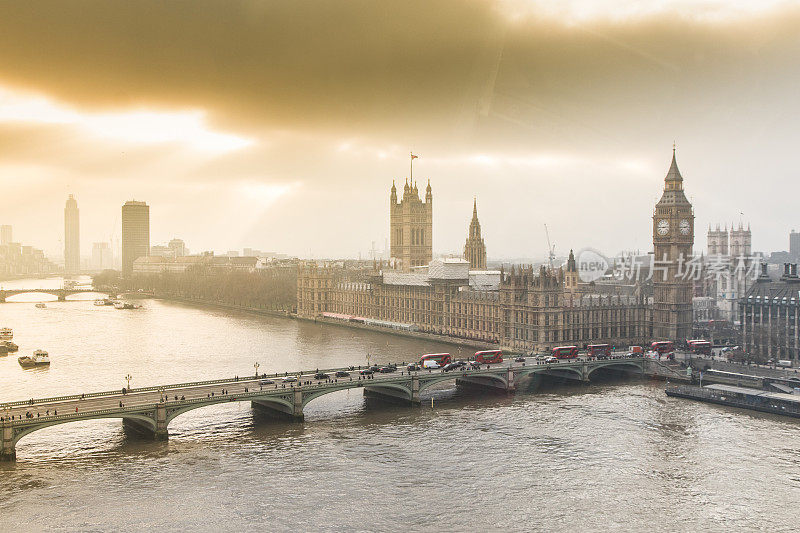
450 78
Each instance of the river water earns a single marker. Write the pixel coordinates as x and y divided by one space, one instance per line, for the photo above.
615 455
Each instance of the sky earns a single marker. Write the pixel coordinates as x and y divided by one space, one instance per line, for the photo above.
281 125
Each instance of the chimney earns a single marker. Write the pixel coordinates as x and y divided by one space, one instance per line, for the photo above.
786 269
793 268
763 269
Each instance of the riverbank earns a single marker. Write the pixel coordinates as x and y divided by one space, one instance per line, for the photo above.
401 333
285 314
223 305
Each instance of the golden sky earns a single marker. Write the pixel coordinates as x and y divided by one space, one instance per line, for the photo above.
280 125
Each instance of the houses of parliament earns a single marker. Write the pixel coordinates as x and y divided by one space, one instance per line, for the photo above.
522 308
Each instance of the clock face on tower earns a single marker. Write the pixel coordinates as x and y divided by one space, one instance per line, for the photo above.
685 227
663 226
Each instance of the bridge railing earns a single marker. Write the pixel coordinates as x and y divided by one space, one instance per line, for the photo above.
155 388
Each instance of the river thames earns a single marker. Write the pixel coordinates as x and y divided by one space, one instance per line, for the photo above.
615 455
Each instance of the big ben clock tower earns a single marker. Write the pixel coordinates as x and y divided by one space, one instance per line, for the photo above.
673 236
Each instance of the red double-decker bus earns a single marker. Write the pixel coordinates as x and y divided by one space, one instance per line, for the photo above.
700 346
440 358
601 351
565 352
663 347
489 356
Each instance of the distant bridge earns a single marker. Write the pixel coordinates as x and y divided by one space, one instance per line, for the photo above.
149 410
61 294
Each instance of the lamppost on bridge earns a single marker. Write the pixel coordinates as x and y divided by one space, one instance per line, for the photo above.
256 367
128 378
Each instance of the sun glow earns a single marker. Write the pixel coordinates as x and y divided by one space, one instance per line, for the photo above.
140 126
576 11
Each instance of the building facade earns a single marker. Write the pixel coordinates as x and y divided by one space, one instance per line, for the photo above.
523 309
135 234
717 241
771 316
102 257
72 240
475 248
179 247
411 227
673 237
730 267
794 245
5 234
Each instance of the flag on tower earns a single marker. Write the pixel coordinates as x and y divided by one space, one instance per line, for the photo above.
414 156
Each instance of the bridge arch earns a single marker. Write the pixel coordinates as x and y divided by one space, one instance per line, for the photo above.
393 390
553 371
627 366
23 432
76 293
493 379
173 413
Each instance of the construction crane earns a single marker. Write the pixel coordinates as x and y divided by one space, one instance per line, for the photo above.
551 248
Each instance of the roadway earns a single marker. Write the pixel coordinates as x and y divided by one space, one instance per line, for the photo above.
228 389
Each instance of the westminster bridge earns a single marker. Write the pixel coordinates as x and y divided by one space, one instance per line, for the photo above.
149 410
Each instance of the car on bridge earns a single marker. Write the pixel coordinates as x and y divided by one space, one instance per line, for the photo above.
342 374
388 369
551 359
266 382
413 367
289 379
321 375
451 366
519 360
366 372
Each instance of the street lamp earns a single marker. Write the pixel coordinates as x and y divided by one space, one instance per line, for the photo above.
256 367
128 378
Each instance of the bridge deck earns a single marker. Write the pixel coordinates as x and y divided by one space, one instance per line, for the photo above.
156 406
148 396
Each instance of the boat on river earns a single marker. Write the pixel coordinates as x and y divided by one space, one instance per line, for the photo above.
126 305
104 301
9 347
41 305
6 334
39 358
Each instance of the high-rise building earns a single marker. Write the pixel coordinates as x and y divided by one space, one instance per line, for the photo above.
411 226
5 235
178 247
673 237
102 257
135 234
72 241
475 248
794 244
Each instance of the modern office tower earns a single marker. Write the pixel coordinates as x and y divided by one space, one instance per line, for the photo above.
5 234
72 240
102 257
178 247
794 244
135 234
